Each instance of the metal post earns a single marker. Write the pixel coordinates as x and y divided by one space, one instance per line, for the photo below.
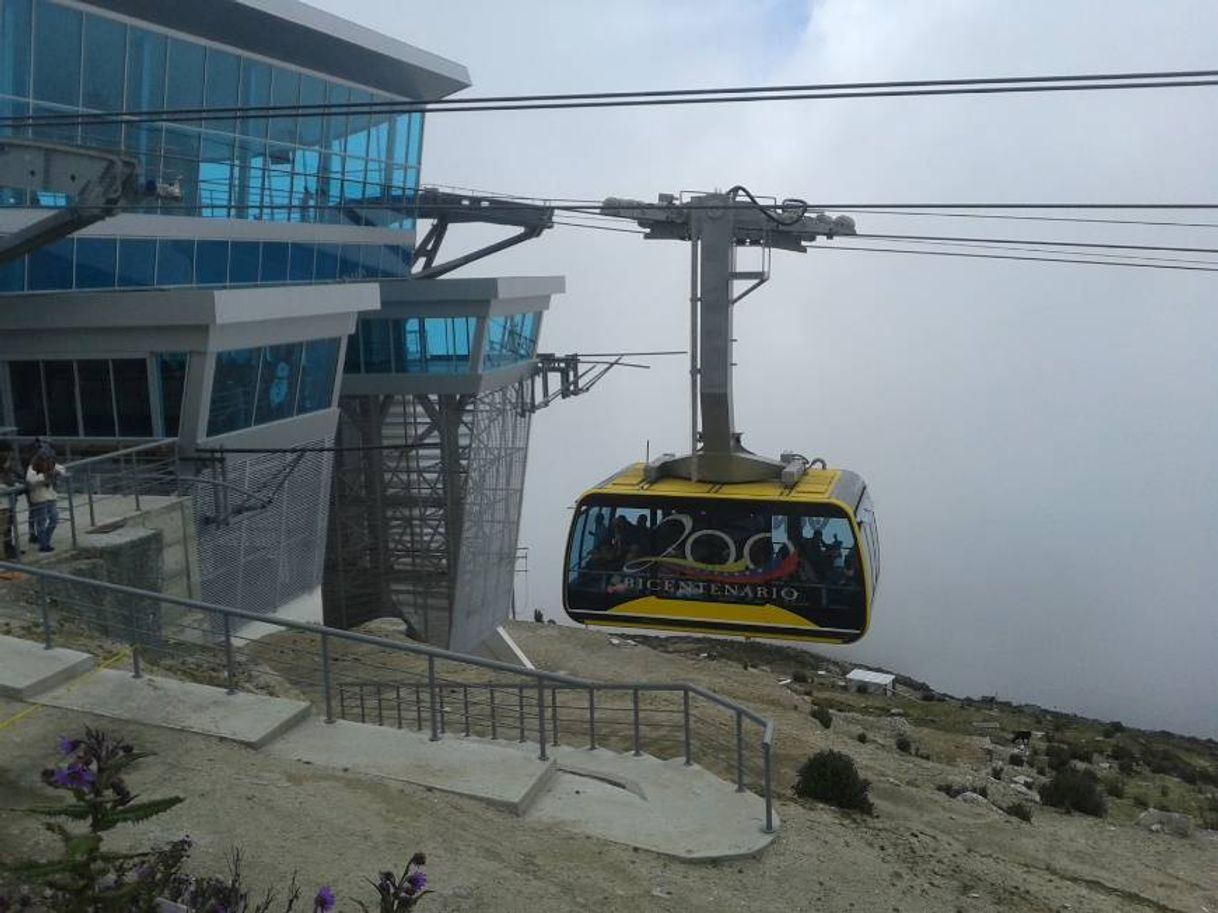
769 799
739 751
494 722
520 711
541 719
637 750
418 707
592 718
397 699
135 662
135 481
443 712
72 511
431 695
325 681
380 706
363 714
230 675
46 612
88 492
465 705
689 745
554 714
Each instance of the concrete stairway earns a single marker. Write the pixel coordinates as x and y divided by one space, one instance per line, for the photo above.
663 806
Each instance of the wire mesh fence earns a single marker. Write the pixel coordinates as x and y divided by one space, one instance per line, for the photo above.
394 682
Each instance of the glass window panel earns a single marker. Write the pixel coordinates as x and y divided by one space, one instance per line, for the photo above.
352 364
51 266
171 371
131 395
370 261
233 390
412 346
414 146
312 92
55 132
57 34
223 87
96 398
12 275
136 262
211 263
300 262
376 345
186 71
326 267
243 263
25 382
274 262
105 63
145 70
60 377
349 262
96 262
285 90
305 170
181 163
15 39
277 382
216 176
318 375
175 262
255 91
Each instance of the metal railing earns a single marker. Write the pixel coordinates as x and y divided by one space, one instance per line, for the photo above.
356 676
99 489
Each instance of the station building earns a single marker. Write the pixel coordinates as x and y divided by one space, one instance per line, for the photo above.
352 440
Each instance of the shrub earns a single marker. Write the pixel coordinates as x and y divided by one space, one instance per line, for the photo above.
1020 810
1115 787
928 696
1116 726
1074 790
1140 801
831 777
983 791
799 676
1126 766
996 771
1042 770
903 744
1016 759
862 738
1058 755
821 715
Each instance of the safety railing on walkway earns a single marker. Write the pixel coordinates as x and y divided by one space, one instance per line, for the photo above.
100 489
390 682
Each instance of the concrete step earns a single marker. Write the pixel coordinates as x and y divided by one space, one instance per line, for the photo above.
27 670
251 719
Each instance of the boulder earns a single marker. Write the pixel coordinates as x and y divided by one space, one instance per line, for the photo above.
896 711
973 798
1024 793
1172 822
1025 782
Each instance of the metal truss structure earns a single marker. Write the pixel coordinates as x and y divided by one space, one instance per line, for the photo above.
425 511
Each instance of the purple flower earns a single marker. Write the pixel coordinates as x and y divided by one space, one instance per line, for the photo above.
67 746
324 900
74 776
415 882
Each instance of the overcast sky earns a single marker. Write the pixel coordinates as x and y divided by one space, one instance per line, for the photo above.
1040 439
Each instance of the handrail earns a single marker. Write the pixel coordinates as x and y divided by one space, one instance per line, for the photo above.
540 678
20 487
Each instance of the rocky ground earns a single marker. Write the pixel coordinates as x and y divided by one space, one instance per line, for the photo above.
921 851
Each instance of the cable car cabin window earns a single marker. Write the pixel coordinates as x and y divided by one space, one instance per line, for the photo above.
782 570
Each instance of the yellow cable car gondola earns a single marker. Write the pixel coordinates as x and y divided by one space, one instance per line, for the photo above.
723 541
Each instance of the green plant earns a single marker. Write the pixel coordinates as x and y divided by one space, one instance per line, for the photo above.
996 771
1020 810
903 744
1126 766
1115 787
1074 790
1016 759
831 777
821 715
862 738
1058 755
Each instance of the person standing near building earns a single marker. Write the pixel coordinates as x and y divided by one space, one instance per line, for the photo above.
40 481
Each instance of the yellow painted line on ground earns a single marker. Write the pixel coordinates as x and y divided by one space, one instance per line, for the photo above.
104 664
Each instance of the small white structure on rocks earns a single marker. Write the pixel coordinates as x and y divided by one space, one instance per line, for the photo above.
865 681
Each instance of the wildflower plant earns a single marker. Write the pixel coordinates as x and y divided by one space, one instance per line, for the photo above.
402 892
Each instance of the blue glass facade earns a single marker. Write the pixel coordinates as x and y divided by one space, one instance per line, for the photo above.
269 383
412 345
315 167
510 339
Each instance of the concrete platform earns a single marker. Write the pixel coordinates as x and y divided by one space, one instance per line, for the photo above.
662 806
250 719
26 669
491 771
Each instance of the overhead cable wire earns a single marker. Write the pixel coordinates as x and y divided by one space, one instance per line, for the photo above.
662 97
1034 243
997 256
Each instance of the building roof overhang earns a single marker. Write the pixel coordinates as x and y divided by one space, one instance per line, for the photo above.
304 36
